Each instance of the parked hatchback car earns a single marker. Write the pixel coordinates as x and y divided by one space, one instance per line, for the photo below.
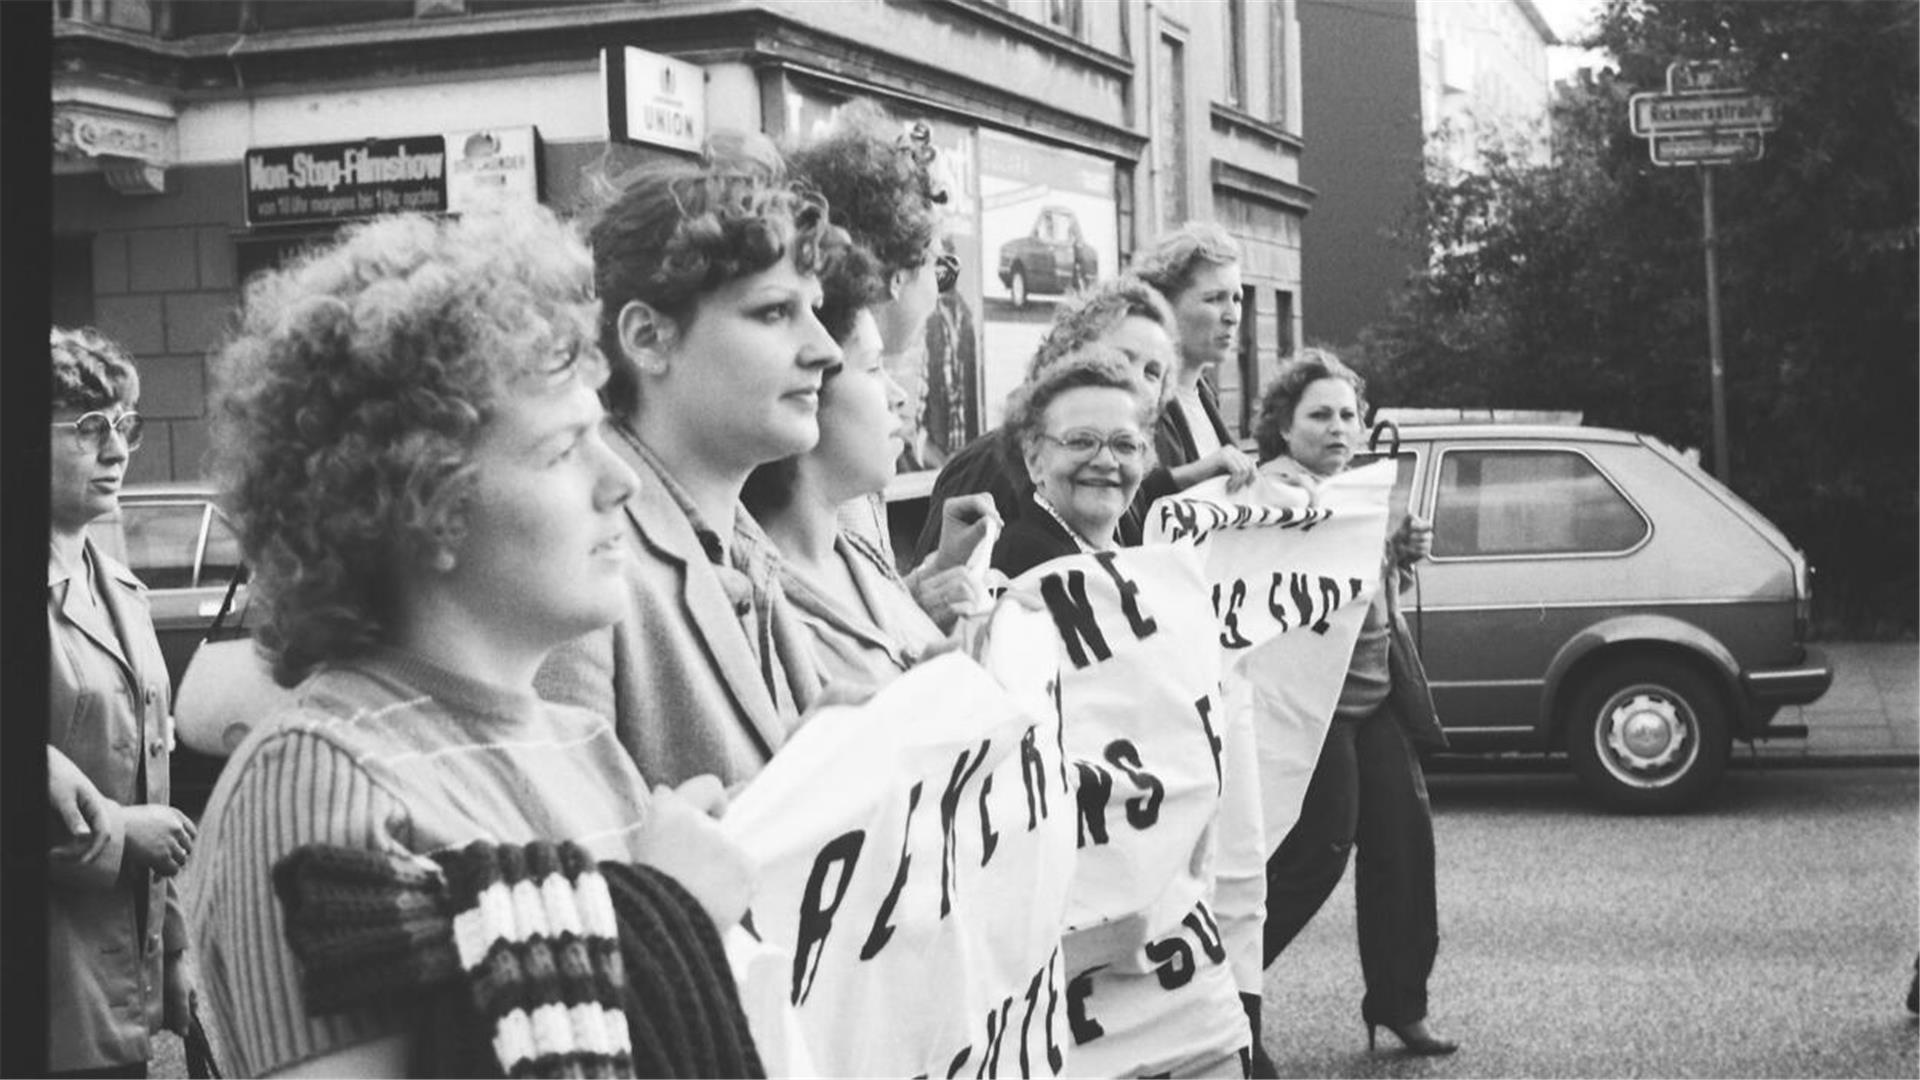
181 547
1596 591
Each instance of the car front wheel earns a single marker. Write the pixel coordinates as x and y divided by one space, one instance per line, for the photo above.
1648 735
1017 287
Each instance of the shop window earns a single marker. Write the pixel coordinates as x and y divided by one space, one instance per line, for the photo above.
72 271
269 251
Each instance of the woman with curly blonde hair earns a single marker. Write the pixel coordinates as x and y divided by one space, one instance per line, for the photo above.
709 279
410 444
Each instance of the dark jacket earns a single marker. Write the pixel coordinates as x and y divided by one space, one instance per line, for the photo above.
992 464
1030 539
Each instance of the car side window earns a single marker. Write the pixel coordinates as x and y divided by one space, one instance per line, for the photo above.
1529 502
162 541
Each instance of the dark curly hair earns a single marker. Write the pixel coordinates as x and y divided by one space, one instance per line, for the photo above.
1099 366
1282 397
348 401
90 371
877 190
677 231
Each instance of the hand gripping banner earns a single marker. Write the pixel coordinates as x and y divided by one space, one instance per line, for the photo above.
1291 577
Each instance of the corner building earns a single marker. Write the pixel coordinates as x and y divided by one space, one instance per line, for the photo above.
197 142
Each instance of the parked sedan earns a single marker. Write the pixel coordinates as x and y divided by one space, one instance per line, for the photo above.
1596 591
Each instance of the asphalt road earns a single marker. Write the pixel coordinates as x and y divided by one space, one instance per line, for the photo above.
1771 934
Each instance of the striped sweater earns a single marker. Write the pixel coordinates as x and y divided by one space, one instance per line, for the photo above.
387 754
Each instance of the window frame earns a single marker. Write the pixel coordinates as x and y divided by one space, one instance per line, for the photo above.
1431 503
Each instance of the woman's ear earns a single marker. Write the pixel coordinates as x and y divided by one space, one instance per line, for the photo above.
897 283
646 336
1032 457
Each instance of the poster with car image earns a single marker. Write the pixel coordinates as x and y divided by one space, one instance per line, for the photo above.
1048 226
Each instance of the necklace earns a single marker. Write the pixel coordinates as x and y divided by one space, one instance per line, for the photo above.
1085 545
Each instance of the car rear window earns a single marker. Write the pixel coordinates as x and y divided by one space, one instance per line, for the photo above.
1529 502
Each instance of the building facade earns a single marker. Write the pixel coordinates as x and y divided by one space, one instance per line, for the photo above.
196 143
1391 82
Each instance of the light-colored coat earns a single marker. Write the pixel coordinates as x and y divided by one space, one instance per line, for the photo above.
110 714
678 675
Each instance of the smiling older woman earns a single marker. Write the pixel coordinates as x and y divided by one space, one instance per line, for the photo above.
1082 425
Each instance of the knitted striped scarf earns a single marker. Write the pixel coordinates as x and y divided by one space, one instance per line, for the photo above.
568 968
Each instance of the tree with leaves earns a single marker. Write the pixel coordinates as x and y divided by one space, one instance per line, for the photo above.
1580 285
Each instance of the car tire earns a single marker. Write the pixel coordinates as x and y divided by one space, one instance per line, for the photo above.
1017 287
1648 735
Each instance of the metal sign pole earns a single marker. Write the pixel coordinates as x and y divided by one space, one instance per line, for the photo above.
1722 464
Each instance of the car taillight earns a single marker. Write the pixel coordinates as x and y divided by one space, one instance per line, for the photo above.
1803 599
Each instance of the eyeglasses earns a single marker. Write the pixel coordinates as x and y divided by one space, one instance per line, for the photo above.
90 429
1085 444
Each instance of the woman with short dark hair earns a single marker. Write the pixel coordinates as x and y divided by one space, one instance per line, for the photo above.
708 276
1367 791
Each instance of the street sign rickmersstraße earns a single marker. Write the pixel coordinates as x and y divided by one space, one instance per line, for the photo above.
1672 114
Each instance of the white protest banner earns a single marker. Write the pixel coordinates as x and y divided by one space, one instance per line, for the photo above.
1138 685
1291 579
914 854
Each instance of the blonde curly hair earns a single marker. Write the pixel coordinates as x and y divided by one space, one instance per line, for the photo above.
348 401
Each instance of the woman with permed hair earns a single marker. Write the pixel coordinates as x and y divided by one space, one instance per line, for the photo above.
409 442
708 276
114 932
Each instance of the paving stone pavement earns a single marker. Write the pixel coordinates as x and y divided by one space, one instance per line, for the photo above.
1871 712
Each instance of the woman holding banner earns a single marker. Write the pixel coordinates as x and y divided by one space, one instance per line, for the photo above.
1153 991
1367 790
861 616
708 279
411 448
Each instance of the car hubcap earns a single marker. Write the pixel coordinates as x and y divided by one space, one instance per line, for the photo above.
1646 738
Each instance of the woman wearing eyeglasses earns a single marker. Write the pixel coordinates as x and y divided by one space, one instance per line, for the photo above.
1082 428
115 935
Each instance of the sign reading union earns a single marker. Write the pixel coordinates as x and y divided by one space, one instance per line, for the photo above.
333 181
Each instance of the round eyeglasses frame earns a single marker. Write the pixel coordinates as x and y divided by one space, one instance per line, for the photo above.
90 429
1083 444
